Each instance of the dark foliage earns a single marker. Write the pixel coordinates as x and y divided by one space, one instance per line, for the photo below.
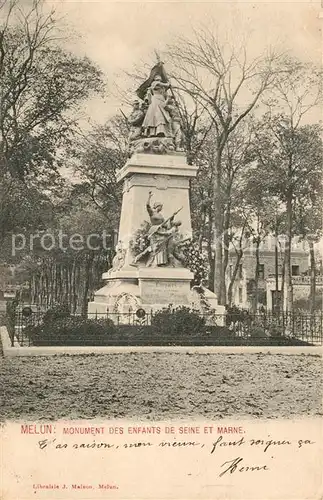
234 314
70 330
169 326
56 313
178 321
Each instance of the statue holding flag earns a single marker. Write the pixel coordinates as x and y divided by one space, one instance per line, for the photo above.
156 132
157 122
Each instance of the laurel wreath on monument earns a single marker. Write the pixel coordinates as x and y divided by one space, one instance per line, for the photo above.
195 262
140 240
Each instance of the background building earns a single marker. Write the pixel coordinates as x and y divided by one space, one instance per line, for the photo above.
243 289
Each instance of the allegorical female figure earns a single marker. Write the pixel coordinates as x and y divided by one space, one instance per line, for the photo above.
158 234
157 122
161 251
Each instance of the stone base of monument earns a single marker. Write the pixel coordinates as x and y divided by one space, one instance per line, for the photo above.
151 289
147 288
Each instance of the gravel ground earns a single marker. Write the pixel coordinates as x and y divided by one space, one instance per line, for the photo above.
162 386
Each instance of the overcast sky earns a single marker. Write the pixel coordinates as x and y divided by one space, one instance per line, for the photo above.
118 35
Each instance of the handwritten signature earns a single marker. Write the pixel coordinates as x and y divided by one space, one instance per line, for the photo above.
235 465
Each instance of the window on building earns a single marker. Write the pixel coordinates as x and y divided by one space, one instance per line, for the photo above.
240 295
295 270
240 271
261 271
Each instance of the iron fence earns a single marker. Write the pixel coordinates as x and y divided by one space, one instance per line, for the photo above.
130 317
306 328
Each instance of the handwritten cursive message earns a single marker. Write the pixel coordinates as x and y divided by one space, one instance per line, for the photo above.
214 441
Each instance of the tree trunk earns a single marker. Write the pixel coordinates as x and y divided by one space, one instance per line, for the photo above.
211 266
276 303
33 288
210 252
256 296
218 223
313 276
73 286
79 286
88 267
59 284
226 244
202 229
218 264
70 285
234 275
65 281
283 298
288 266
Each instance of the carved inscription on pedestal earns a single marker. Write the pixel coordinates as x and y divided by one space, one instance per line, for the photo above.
164 292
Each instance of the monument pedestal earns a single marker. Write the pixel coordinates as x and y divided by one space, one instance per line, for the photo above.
148 288
131 285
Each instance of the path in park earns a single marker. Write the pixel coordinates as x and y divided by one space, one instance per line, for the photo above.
162 386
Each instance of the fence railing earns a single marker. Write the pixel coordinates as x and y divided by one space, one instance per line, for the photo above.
304 327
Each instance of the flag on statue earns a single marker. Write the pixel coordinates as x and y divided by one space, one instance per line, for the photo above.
158 69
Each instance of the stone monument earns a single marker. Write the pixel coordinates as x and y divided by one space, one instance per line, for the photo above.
149 266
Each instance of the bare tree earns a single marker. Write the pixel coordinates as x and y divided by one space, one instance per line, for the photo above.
299 92
222 80
288 148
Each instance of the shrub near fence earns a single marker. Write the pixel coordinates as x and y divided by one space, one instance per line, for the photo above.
71 331
180 321
166 327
